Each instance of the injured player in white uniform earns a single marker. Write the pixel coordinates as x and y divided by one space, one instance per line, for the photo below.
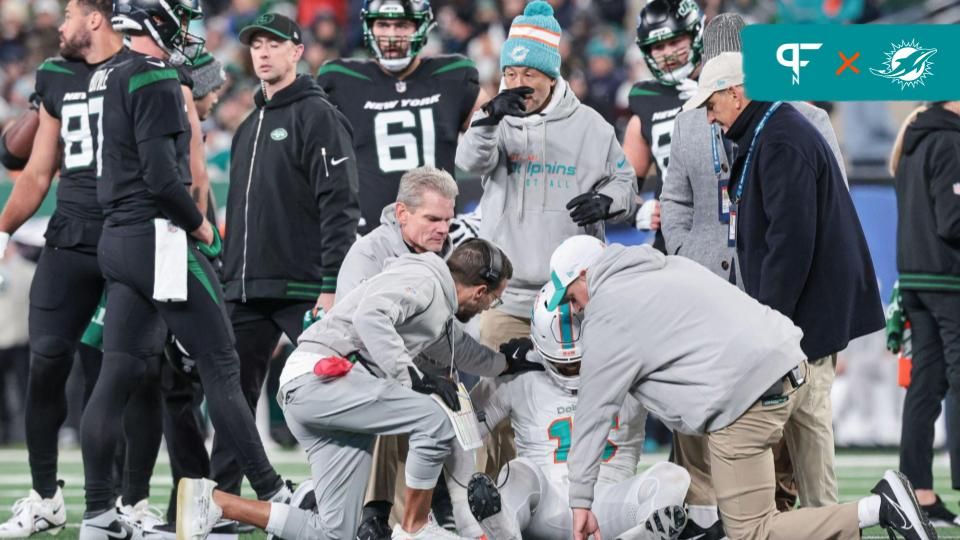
530 496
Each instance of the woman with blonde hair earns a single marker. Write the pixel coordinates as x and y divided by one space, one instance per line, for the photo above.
926 167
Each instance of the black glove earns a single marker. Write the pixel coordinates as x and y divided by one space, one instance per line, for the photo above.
591 207
211 251
506 103
516 352
35 101
428 384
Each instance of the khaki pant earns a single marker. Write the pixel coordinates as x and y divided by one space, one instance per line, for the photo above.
806 453
497 328
387 479
741 463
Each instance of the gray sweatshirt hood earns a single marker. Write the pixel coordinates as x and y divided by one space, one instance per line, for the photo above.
616 258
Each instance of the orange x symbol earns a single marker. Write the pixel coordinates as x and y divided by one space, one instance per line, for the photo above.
848 63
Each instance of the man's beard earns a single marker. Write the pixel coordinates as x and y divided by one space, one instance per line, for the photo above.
464 314
73 49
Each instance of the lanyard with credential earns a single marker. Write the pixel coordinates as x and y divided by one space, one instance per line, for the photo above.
738 194
723 195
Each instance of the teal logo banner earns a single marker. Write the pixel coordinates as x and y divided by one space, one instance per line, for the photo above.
854 62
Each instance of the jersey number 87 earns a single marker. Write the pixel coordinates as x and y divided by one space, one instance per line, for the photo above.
78 147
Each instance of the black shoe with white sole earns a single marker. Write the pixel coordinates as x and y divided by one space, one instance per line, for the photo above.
939 515
692 531
374 528
899 510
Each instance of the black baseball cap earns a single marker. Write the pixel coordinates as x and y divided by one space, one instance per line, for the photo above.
273 23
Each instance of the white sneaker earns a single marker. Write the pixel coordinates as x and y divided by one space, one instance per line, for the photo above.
141 515
431 531
196 511
106 526
34 514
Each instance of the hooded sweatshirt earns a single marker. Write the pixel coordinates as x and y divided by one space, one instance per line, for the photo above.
391 318
708 351
928 203
369 254
292 210
531 167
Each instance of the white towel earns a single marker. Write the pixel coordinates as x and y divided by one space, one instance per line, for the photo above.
169 262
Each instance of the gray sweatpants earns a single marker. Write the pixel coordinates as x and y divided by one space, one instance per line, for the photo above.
337 421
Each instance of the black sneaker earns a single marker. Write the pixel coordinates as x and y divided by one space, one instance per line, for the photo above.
374 528
899 510
663 524
692 531
938 514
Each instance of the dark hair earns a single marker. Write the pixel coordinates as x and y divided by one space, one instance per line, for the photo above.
475 262
105 7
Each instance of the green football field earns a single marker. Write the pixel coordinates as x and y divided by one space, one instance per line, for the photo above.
858 472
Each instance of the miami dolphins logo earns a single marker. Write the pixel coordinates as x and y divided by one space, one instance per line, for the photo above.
519 53
907 64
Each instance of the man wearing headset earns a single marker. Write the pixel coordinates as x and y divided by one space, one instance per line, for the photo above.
336 408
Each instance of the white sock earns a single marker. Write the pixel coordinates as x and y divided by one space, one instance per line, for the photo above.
868 511
278 517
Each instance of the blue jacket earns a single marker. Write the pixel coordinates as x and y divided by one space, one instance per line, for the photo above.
799 241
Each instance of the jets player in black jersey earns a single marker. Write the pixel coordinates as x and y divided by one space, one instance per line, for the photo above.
670 36
407 111
67 284
153 253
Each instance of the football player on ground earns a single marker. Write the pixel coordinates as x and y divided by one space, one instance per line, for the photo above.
68 283
670 36
530 497
406 110
142 142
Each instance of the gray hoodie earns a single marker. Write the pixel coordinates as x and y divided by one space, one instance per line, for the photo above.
392 317
531 167
694 350
369 254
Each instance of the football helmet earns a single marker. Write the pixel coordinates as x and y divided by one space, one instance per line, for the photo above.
166 21
556 335
661 20
418 11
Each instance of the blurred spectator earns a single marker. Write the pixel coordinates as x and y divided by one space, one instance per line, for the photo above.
15 276
604 76
43 40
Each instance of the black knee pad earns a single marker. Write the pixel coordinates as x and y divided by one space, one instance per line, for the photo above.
51 355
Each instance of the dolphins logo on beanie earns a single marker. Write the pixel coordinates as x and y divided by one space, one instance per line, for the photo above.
534 41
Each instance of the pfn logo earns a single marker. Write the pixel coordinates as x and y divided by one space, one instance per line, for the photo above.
794 62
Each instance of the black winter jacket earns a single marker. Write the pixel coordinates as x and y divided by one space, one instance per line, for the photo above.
800 245
292 209
928 203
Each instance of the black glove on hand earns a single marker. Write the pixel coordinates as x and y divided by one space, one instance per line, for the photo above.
506 103
516 352
35 101
591 207
428 384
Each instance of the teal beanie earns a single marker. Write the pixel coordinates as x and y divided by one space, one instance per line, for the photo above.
534 40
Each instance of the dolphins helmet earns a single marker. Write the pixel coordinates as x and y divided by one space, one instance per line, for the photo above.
661 20
418 11
556 335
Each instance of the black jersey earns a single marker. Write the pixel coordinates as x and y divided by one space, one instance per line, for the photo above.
400 125
78 219
656 104
140 98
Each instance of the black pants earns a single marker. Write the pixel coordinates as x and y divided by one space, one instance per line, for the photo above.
257 325
183 428
935 376
134 327
65 292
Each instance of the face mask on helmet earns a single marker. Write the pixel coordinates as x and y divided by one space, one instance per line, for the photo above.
165 21
664 20
417 11
556 335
